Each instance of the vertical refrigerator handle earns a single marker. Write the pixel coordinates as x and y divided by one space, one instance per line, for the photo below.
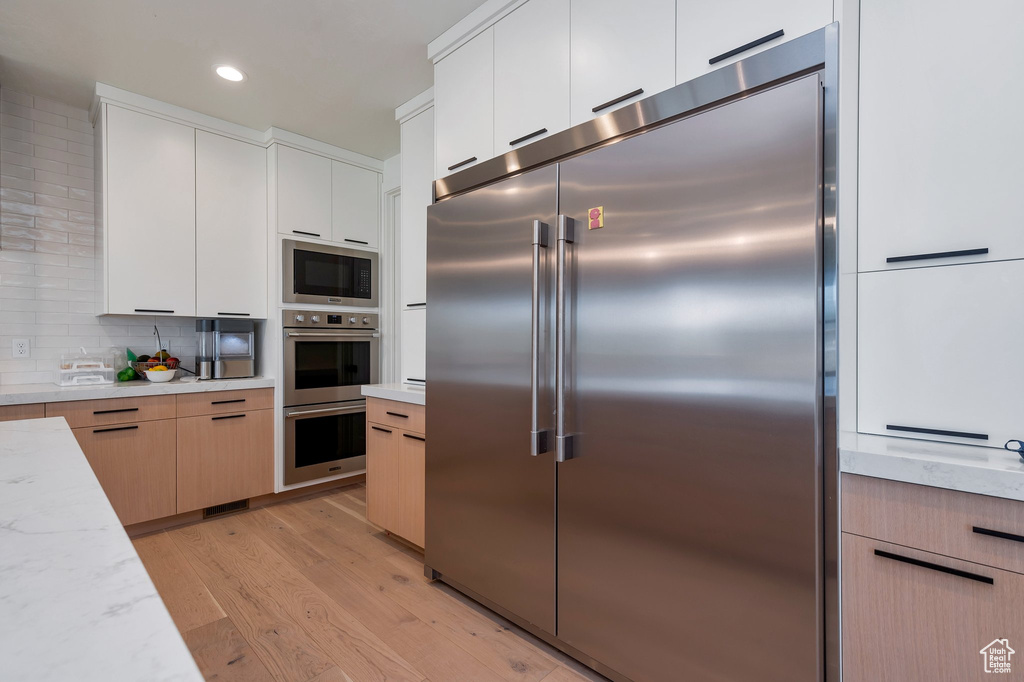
563 442
538 437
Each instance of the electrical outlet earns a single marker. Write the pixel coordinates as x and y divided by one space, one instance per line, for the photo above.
21 348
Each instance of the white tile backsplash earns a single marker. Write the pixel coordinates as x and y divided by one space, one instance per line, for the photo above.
47 241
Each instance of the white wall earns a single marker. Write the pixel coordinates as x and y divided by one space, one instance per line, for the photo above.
47 267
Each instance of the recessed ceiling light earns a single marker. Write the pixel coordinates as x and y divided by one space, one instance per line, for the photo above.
229 73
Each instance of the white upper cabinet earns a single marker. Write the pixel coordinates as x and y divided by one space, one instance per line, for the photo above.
149 197
940 132
464 105
414 346
356 205
417 195
531 74
303 193
939 353
620 52
231 227
708 31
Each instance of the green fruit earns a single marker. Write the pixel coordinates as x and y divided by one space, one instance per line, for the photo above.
126 374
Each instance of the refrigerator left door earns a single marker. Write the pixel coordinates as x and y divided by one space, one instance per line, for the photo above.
490 514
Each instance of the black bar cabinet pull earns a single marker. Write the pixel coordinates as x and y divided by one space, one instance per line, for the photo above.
938 254
310 234
377 428
613 102
421 381
460 164
123 409
396 414
748 46
228 416
419 438
226 402
937 432
153 310
998 534
935 567
356 241
524 138
414 305
236 314
116 428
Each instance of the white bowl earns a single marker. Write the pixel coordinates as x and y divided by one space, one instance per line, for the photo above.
160 377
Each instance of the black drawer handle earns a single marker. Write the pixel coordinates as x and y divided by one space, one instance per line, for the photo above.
415 305
236 314
228 416
998 534
356 241
524 138
396 414
938 254
123 409
419 381
308 234
935 567
419 438
116 428
227 402
938 432
460 164
748 46
377 428
613 102
153 310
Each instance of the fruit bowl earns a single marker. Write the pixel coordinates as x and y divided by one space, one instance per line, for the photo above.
142 367
159 377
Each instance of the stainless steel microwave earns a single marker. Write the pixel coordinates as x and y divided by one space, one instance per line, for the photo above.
318 273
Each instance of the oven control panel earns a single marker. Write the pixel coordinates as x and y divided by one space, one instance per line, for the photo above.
329 320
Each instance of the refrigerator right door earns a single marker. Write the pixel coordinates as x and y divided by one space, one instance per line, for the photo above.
689 518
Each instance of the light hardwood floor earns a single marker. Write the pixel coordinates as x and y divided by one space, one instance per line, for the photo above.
308 590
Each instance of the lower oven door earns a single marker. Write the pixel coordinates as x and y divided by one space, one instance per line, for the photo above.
325 366
324 440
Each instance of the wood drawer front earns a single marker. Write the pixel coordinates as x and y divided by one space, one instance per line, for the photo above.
9 413
223 402
135 464
935 520
224 458
83 413
405 416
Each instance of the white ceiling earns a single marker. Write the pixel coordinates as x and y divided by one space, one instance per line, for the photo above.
333 70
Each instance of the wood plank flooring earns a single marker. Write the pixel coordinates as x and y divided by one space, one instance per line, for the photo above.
308 591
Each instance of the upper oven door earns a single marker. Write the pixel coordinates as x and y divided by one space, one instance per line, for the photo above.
324 366
316 273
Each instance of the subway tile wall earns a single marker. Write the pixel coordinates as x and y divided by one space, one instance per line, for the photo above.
47 230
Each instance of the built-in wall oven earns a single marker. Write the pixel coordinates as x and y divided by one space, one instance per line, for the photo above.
328 357
318 273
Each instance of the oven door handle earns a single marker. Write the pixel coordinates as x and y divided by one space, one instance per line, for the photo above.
329 410
324 335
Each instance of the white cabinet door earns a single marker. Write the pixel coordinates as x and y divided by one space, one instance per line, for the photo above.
940 132
414 346
150 196
303 193
464 105
231 227
531 74
619 48
356 205
940 350
417 195
708 31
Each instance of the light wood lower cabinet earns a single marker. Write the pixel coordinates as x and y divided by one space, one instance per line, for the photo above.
9 413
135 465
411 487
395 469
225 457
382 475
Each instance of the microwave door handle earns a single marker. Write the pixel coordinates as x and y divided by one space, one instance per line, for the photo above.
338 410
335 336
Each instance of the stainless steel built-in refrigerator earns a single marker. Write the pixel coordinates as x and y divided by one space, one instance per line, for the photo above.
624 357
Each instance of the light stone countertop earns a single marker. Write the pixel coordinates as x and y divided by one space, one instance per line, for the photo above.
967 468
76 602
403 393
24 394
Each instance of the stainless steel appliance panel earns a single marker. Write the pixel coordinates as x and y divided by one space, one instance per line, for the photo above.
490 508
328 365
324 440
318 273
689 537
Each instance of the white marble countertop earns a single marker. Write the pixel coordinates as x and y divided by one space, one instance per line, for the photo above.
403 393
23 394
76 602
967 468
